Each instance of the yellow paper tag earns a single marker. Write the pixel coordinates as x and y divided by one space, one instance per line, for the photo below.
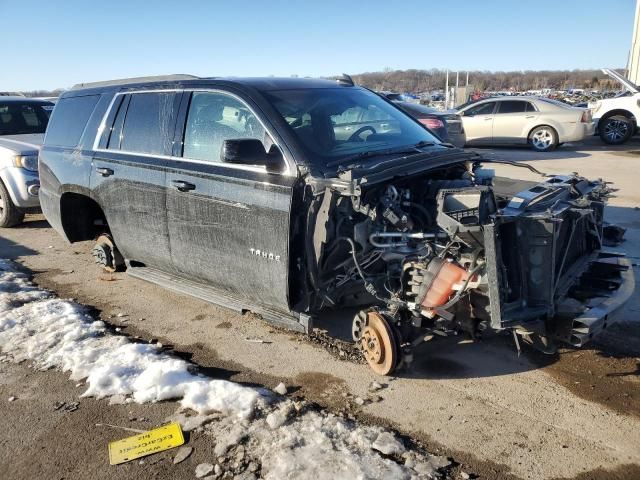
142 444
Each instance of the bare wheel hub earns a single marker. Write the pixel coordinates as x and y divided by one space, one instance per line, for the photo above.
104 252
378 344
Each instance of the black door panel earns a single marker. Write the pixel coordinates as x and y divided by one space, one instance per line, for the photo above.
231 230
133 198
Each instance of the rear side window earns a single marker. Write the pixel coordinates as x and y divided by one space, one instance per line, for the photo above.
512 106
69 119
148 123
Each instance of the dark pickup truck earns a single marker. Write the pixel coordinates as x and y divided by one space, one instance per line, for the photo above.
254 194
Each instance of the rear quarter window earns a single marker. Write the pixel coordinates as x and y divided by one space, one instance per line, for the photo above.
69 119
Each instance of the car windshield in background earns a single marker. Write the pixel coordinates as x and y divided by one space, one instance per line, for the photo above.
18 118
339 123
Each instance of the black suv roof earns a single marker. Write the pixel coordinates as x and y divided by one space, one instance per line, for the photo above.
259 83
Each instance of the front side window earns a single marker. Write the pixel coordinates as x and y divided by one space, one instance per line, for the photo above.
213 118
18 118
148 123
482 109
319 118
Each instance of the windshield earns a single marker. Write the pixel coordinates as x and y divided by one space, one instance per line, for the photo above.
336 123
18 118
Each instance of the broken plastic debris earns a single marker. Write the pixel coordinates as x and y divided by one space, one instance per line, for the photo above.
182 455
281 388
387 444
203 470
256 340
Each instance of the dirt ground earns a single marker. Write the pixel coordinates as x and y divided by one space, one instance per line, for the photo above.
575 414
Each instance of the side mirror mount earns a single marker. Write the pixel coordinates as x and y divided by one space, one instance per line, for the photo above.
251 151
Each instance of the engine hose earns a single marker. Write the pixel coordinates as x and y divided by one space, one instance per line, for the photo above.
369 287
458 295
422 210
353 254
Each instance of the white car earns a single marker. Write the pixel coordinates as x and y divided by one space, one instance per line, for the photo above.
23 122
616 118
540 122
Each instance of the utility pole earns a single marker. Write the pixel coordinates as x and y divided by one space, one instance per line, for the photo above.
455 93
446 91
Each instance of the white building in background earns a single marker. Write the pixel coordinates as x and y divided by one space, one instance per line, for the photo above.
634 54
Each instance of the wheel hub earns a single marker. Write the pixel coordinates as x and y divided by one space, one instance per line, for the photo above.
542 138
616 130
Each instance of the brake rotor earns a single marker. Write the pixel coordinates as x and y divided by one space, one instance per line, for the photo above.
379 345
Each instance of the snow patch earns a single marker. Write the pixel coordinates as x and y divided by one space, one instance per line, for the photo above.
54 333
288 440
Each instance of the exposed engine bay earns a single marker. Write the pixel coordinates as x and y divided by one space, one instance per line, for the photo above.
457 249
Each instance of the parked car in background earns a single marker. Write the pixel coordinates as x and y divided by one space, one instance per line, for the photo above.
252 193
448 126
540 122
23 122
617 118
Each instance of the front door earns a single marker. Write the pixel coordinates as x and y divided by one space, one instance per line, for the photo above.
478 123
128 177
228 224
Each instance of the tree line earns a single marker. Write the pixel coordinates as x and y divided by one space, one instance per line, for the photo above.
428 80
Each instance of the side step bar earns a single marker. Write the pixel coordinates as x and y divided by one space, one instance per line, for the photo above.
302 323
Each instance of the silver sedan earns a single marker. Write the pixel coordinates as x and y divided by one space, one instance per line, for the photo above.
540 122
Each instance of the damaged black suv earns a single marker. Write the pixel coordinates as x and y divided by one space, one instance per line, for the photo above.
288 196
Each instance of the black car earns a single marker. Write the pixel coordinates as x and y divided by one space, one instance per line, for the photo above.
249 193
448 126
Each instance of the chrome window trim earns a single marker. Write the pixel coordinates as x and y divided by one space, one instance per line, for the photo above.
250 168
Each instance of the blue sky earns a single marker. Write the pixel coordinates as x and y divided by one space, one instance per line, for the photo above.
56 44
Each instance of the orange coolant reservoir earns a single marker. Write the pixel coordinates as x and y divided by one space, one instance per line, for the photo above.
441 287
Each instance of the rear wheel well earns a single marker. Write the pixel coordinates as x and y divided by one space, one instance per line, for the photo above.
543 125
81 217
621 112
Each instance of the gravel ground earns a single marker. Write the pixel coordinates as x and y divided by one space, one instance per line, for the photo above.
572 415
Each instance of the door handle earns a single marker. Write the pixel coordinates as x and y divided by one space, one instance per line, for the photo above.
530 116
183 186
488 118
105 172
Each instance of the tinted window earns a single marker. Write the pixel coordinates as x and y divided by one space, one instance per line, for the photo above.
69 119
148 124
214 118
18 118
512 106
482 109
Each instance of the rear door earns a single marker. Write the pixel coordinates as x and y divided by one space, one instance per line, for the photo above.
513 120
478 123
128 178
228 224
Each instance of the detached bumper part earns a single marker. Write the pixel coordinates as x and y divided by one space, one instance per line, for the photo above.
612 279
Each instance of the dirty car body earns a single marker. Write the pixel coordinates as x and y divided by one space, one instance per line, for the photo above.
249 193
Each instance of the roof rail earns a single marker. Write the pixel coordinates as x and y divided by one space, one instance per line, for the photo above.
124 81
